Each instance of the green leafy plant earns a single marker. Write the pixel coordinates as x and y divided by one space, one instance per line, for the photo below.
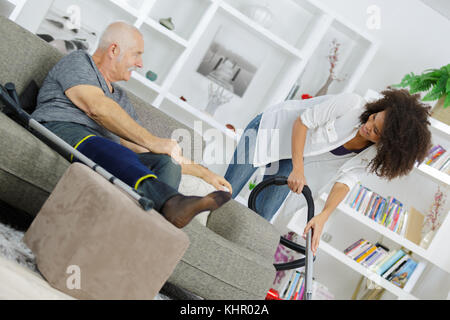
436 81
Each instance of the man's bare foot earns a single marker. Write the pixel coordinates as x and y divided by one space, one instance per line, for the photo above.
180 210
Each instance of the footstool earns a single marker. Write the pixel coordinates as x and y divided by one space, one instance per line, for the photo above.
92 241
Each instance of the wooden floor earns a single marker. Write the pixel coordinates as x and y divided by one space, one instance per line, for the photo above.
20 283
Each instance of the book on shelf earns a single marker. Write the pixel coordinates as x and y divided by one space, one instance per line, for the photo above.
353 246
415 276
390 262
376 265
413 226
364 254
401 275
397 265
293 285
434 154
298 293
293 288
389 212
360 249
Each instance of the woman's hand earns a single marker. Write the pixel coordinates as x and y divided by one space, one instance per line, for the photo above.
217 181
296 181
316 224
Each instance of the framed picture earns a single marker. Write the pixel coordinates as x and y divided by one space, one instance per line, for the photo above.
228 64
64 30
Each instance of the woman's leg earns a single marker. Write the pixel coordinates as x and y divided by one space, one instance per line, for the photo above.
271 198
240 169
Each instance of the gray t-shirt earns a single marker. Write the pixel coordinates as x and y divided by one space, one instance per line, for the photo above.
77 68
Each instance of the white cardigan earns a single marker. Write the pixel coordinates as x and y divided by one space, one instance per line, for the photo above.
331 122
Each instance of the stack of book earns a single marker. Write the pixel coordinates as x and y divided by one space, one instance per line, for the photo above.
393 265
386 211
295 287
439 159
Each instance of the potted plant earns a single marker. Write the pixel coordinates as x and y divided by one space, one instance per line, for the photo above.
437 83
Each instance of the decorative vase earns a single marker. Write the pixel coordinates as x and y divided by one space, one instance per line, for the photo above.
150 75
323 91
167 22
440 113
425 243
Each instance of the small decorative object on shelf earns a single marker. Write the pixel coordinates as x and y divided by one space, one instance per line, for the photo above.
183 98
168 23
260 13
231 127
217 96
432 219
327 237
333 58
150 75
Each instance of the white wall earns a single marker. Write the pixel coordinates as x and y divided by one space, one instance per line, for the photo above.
413 37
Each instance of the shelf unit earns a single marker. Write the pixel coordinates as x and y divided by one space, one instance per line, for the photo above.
174 54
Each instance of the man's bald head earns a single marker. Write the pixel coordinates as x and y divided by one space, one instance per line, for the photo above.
120 51
120 33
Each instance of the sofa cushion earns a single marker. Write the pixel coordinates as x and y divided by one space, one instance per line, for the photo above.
215 268
24 56
240 225
29 169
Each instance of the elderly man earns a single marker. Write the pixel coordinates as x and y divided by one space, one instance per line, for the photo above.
80 103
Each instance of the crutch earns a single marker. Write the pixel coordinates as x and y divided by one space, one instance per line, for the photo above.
309 258
10 98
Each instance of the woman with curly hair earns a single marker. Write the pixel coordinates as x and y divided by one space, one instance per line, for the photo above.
330 142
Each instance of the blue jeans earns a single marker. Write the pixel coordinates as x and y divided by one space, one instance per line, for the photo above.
240 170
158 190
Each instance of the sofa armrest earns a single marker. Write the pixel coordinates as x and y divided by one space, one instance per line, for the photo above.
237 223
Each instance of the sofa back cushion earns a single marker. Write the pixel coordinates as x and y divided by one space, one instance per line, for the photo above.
24 56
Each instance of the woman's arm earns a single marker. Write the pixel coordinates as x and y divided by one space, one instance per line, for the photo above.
337 194
296 179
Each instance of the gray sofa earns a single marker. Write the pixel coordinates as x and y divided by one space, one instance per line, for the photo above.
230 258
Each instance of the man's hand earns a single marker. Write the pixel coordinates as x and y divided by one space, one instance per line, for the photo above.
316 224
296 181
171 148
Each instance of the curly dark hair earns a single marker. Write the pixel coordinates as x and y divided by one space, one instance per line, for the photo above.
405 137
